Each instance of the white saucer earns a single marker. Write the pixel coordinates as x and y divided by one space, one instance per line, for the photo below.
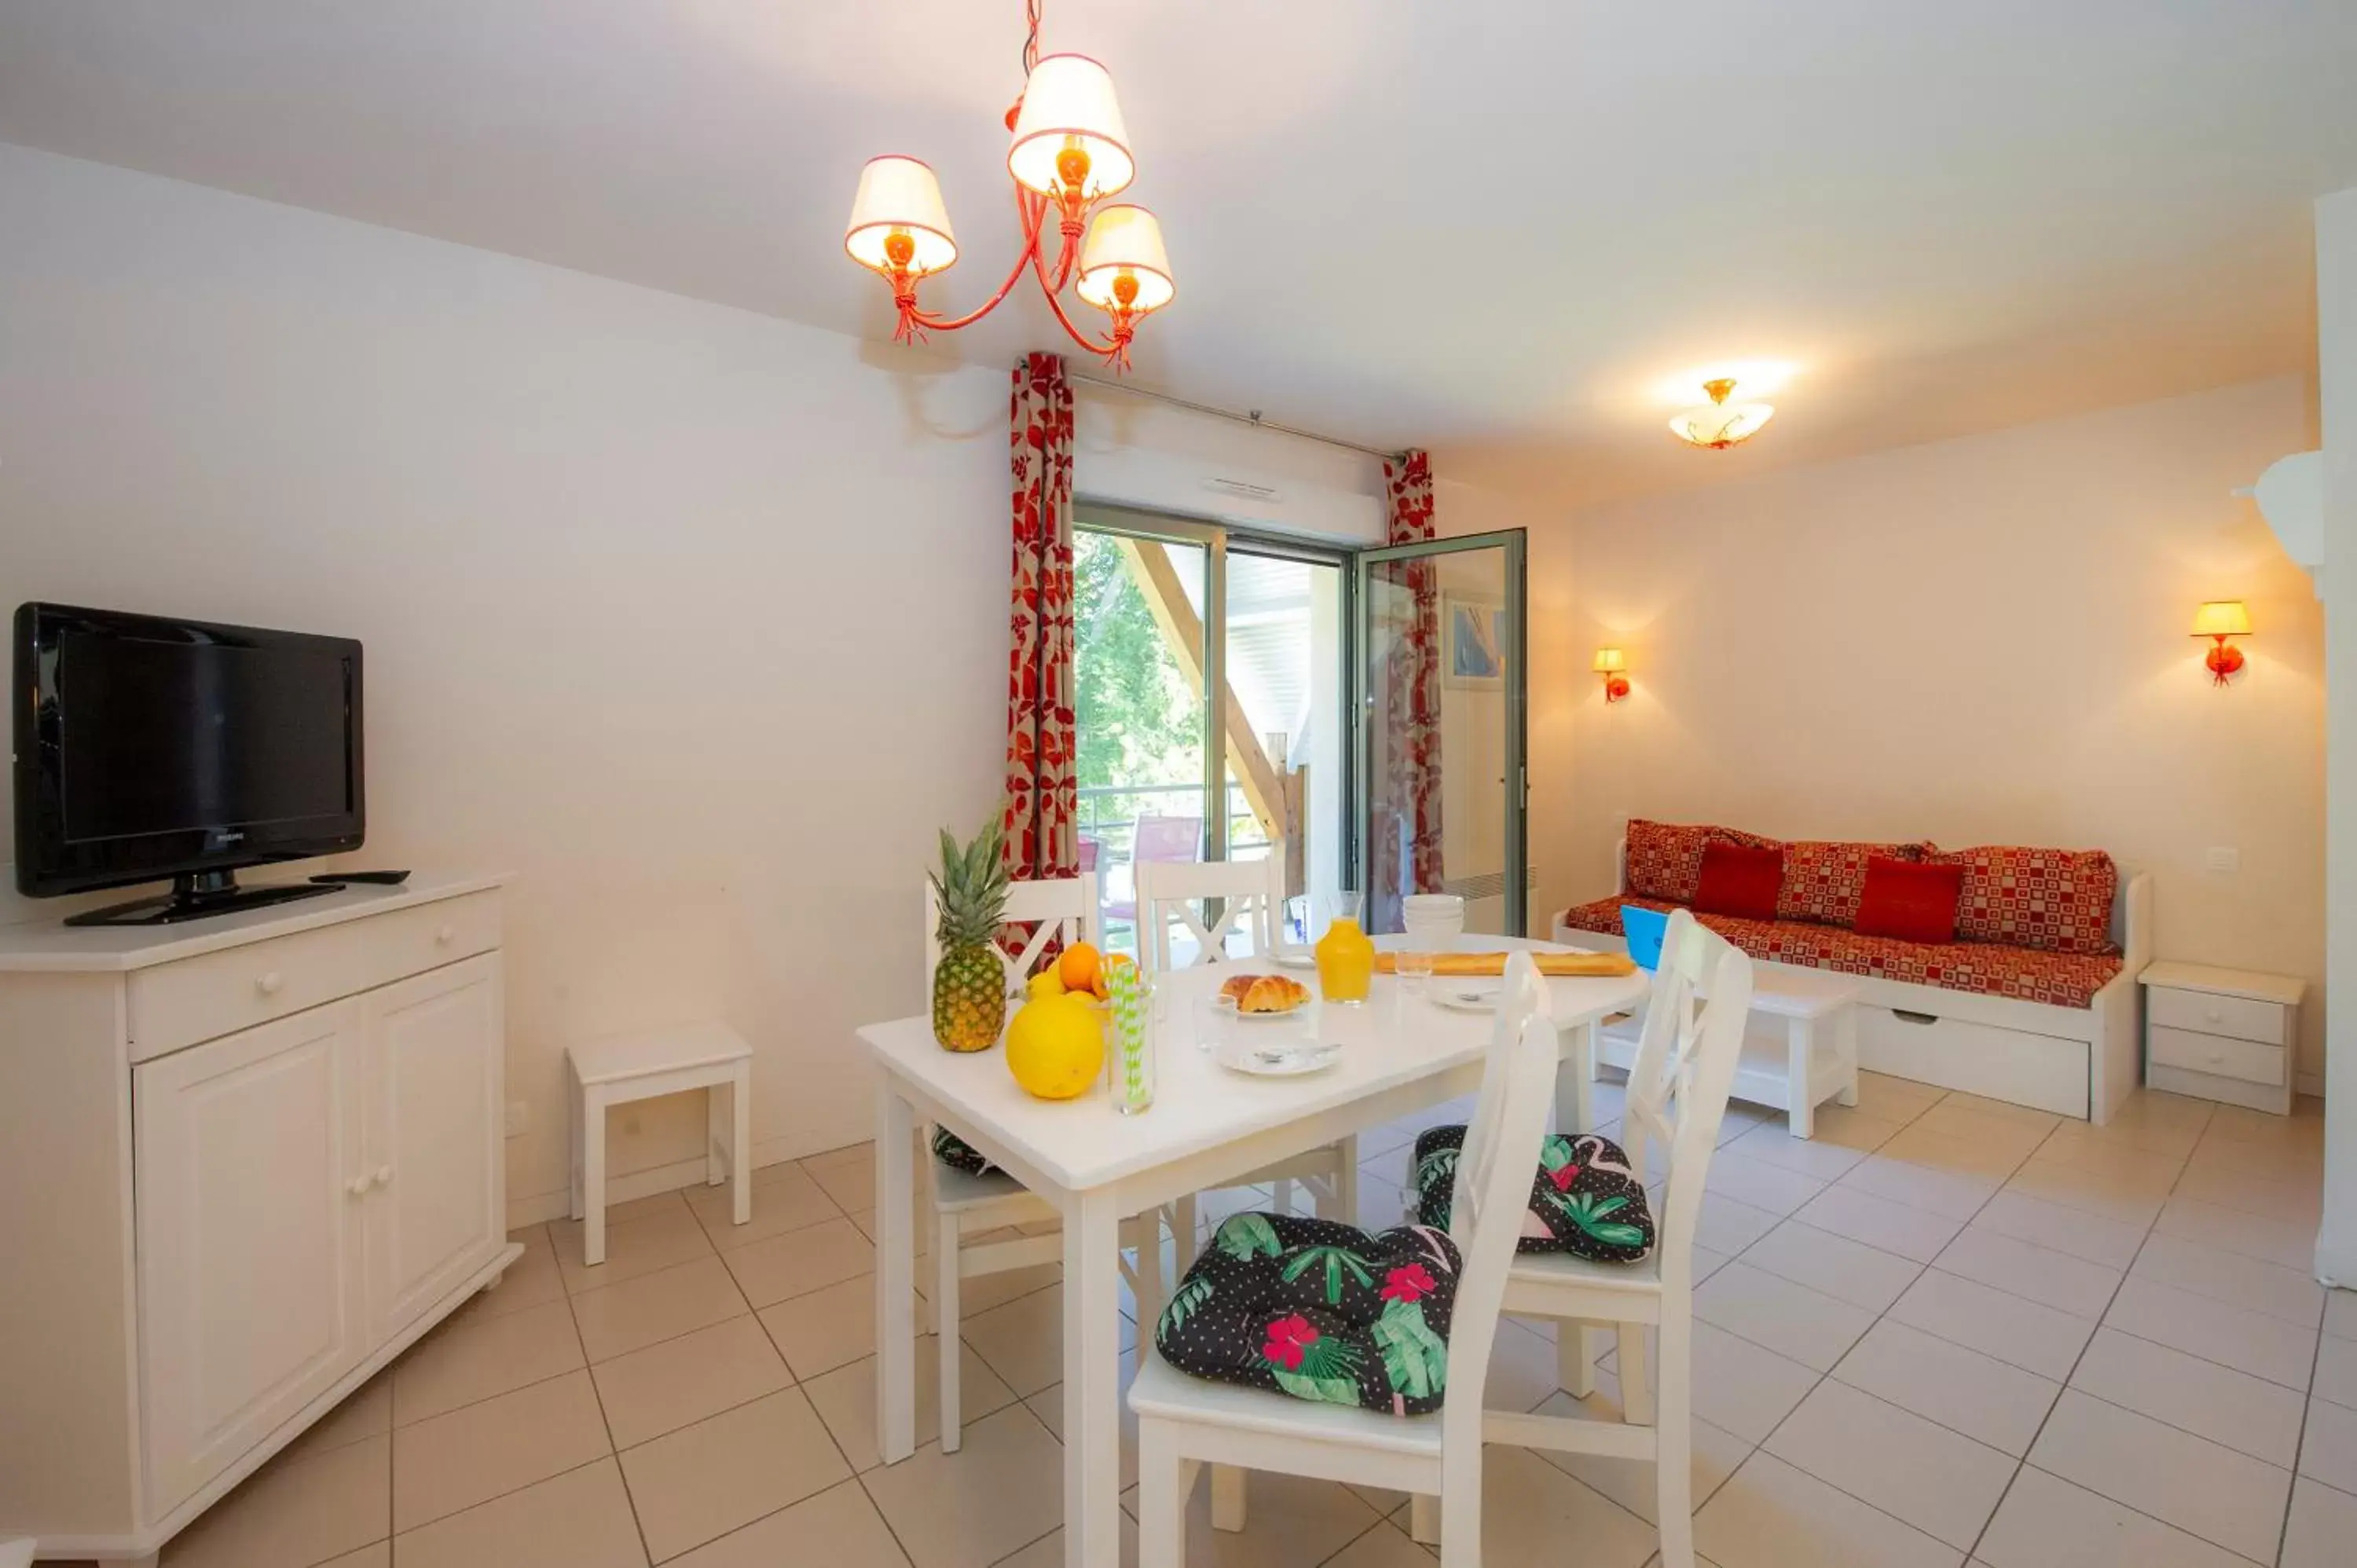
1295 960
1462 998
1280 1060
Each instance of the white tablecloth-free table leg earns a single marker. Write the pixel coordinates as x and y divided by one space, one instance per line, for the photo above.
896 1264
1092 1380
1800 1077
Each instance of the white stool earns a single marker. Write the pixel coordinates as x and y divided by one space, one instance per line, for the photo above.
622 1067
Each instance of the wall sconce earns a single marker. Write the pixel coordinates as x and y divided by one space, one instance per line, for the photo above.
2220 619
1613 665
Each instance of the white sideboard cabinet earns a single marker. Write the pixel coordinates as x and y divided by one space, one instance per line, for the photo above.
244 1162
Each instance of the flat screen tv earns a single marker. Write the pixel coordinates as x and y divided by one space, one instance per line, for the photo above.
147 747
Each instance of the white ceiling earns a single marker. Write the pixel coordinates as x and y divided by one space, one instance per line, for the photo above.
1494 228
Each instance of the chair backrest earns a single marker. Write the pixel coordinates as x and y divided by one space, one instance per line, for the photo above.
1685 1066
1167 838
1492 1190
1252 893
1089 850
1062 909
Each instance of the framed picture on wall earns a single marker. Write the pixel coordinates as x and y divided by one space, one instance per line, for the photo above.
1473 640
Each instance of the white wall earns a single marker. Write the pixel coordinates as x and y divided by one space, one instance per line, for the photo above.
2336 284
694 619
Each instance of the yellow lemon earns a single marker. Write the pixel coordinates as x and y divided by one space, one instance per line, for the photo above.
1055 1046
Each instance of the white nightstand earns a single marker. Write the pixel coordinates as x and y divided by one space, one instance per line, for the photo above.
2221 1033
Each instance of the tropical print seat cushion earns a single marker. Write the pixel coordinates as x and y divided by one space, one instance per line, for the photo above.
958 1155
1319 1310
1584 1200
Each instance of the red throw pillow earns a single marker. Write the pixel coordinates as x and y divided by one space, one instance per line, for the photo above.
1740 879
1909 900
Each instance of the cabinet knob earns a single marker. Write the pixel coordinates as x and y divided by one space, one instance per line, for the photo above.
269 983
384 1176
357 1187
446 934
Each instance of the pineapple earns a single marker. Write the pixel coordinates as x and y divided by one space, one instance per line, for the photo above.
969 984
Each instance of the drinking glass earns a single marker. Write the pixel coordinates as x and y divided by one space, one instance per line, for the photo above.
1414 971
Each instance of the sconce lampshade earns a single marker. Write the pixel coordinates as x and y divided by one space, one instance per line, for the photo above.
1610 662
899 195
2222 617
1068 104
1125 241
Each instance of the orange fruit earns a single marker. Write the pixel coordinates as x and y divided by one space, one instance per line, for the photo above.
1078 967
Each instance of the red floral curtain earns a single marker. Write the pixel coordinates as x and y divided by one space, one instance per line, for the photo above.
1042 799
1406 854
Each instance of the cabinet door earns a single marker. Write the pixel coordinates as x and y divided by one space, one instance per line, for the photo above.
435 1061
252 1298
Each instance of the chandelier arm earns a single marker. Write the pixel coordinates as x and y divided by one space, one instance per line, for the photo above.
1027 256
1116 350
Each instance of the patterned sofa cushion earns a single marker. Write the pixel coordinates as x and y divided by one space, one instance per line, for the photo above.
1824 880
1666 859
2059 900
1994 968
1319 1310
1584 1200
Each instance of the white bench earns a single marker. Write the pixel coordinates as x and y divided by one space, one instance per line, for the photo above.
622 1067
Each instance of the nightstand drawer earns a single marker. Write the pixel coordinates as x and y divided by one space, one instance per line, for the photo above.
2216 1055
2207 1013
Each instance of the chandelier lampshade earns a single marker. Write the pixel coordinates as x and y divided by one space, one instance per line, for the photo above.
1124 253
898 218
1719 423
1068 135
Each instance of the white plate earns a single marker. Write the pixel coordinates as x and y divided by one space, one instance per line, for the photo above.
1463 998
1280 1061
1230 1012
1294 960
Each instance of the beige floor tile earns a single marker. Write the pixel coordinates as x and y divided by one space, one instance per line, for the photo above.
2336 1370
2328 1449
1004 1489
701 1482
1846 1270
463 1362
2087 1191
2300 1201
579 1519
366 1412
291 1515
531 1281
1878 1222
2323 1522
2340 1314
1048 1405
2287 1243
799 1261
2021 1269
1523 1373
658 1306
2139 1169
2008 1130
2248 1341
1954 1195
1723 1224
1385 1546
849 1179
2023 1333
660 1240
1631 1482
1289 1521
1941 1482
984 1292
2227 1498
1840 1126
825 1329
379 1555
1985 1399
2291 1164
2240 1125
839 1523
1803 1325
1530 1509
784 1198
2046 1522
2292 1295
678 1382
1771 1145
1895 1099
1743 1388
846 1401
2245 1413
2059 1229
452 1462
1921 1144
1771 1514
1024 1340
2172 1141
1761 1183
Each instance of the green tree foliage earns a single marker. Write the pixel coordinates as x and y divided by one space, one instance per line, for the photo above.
1138 721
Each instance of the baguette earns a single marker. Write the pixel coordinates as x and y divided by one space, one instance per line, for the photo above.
1556 966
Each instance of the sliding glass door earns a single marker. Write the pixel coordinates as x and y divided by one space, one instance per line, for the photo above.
1441 693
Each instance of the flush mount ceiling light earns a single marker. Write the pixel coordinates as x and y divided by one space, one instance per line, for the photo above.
1070 155
1719 423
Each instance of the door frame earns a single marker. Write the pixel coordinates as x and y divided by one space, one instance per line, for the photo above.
1514 542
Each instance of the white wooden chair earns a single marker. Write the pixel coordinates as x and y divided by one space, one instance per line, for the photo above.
1677 1092
1064 910
1185 1422
1252 896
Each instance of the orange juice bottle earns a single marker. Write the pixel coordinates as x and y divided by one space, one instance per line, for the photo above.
1345 957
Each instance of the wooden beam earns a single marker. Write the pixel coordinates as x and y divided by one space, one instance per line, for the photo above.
1150 568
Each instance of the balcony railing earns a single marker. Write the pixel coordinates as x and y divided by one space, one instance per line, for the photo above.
1114 827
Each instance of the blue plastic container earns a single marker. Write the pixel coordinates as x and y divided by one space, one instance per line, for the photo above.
1644 929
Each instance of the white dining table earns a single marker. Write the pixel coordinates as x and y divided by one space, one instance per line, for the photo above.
1208 1126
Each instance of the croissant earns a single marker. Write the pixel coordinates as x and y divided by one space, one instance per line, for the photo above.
1265 993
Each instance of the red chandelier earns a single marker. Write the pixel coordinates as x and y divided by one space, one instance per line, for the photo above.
1070 155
